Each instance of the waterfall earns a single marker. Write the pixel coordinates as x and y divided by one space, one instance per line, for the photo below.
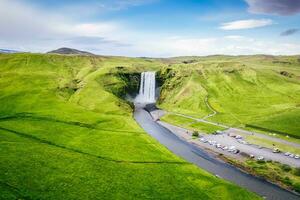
147 88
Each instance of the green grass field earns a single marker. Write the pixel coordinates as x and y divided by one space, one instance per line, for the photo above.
65 135
262 91
190 124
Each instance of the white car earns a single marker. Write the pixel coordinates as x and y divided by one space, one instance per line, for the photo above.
203 140
219 145
225 148
260 158
297 156
238 137
291 155
231 147
287 154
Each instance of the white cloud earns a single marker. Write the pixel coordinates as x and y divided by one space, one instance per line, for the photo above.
229 45
246 24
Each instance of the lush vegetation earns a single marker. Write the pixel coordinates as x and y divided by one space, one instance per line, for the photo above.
281 174
258 91
65 133
190 123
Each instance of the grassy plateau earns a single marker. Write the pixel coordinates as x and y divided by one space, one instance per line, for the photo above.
65 133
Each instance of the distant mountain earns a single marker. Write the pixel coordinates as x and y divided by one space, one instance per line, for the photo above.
8 51
65 50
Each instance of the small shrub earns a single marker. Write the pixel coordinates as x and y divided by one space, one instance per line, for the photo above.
286 168
196 134
297 171
296 187
287 181
261 161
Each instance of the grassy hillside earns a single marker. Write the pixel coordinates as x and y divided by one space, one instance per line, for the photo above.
190 124
66 134
260 91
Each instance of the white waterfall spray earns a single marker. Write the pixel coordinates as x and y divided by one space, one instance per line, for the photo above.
147 88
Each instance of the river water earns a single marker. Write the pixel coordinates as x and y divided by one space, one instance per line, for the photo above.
208 162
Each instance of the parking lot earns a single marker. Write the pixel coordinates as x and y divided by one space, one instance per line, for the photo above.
225 144
231 141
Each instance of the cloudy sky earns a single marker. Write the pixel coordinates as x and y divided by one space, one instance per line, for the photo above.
157 28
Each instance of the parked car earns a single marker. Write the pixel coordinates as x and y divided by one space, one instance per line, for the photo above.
260 158
231 135
238 137
297 156
214 143
203 140
219 145
251 156
236 151
225 148
291 155
231 149
287 154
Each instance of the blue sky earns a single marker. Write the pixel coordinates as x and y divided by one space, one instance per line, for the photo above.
158 28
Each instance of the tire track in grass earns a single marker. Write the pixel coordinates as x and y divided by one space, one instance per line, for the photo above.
43 141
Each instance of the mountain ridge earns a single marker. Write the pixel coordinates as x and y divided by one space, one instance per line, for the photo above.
68 51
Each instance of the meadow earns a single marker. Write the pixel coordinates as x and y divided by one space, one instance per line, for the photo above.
65 133
191 124
261 92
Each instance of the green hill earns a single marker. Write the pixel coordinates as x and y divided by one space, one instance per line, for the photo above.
254 91
66 134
